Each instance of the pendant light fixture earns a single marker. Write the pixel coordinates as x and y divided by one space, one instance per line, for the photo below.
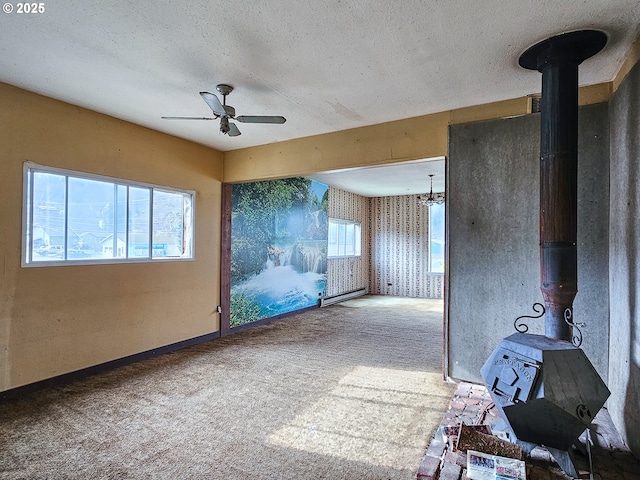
431 198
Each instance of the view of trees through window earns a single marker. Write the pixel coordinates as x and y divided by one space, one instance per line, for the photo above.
75 217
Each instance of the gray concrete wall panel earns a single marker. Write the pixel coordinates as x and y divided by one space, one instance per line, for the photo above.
624 361
493 215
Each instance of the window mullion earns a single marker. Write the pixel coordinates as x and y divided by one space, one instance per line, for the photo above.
151 223
184 222
31 216
126 223
114 246
66 217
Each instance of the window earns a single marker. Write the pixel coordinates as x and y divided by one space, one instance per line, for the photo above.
436 238
344 238
72 217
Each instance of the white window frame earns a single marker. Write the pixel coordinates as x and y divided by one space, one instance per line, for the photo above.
27 219
342 243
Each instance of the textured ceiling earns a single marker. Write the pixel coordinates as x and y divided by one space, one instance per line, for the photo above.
326 65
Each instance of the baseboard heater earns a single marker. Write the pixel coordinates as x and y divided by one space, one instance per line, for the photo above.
341 297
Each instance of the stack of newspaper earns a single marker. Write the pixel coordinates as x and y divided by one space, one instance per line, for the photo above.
489 455
482 466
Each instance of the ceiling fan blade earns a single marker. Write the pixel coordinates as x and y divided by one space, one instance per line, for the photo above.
188 118
233 130
214 103
260 119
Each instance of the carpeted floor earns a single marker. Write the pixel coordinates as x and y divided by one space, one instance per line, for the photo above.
351 391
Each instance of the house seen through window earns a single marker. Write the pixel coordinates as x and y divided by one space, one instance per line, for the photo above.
75 217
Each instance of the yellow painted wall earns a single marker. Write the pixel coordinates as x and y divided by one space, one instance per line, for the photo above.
402 140
55 320
408 139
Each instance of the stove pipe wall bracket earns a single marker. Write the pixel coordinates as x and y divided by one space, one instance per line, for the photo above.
557 58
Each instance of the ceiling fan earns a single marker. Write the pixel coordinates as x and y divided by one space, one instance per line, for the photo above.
226 112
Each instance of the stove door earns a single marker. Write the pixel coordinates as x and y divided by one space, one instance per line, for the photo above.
512 376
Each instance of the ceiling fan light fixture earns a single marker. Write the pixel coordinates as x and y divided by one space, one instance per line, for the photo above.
224 125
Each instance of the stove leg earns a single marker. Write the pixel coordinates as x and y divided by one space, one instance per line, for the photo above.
565 460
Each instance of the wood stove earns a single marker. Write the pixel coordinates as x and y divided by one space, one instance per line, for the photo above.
544 386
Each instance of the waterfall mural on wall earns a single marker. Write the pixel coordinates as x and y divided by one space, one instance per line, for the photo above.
278 247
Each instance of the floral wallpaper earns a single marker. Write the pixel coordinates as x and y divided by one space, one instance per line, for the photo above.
395 239
352 273
399 249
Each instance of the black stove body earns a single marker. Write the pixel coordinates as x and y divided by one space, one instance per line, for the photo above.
546 391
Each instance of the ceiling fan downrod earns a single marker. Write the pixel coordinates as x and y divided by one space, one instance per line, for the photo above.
225 90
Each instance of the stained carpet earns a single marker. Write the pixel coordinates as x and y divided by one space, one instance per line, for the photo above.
351 391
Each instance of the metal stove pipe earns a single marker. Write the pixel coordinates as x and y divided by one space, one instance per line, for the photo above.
557 58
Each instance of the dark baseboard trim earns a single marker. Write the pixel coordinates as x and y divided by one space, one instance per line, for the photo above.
103 367
264 321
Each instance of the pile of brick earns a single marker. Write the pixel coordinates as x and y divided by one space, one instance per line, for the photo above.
472 405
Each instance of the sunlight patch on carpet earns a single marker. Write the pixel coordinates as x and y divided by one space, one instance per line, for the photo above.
375 415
